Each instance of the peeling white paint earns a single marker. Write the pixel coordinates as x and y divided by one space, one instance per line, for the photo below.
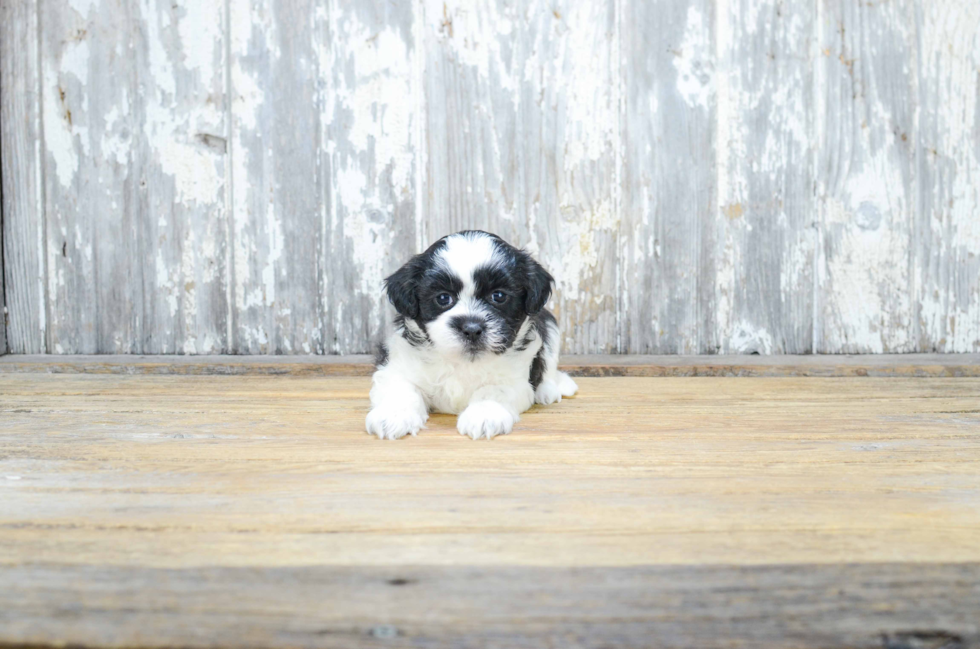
201 38
748 339
194 171
535 151
693 61
584 72
474 32
58 133
75 61
580 250
274 236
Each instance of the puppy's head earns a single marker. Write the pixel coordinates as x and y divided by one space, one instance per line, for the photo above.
468 294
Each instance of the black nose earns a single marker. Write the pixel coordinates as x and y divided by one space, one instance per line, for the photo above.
472 330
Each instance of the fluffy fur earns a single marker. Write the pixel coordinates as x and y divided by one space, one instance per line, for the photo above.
472 338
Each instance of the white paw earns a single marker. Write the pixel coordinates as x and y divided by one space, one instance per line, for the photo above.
486 419
547 392
392 423
566 385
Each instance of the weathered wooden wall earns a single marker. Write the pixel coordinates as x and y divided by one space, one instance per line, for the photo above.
701 176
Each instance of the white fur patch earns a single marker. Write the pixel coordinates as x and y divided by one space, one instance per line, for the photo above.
566 385
463 254
547 393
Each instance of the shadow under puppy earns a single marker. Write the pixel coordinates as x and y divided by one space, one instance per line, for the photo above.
472 337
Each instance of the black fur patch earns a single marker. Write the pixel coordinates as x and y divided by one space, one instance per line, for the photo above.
414 338
402 286
537 369
381 355
541 323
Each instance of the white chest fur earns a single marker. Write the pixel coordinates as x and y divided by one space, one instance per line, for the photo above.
448 382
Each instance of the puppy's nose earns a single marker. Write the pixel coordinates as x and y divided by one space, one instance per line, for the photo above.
473 330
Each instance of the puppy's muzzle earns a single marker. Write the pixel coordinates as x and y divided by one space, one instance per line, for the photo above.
470 328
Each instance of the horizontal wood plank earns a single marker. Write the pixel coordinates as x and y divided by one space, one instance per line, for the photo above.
253 511
873 606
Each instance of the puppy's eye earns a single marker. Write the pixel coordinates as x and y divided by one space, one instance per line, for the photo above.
498 297
444 300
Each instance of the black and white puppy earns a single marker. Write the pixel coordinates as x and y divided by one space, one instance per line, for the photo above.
472 338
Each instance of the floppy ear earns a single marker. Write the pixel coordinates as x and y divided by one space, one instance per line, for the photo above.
537 285
402 288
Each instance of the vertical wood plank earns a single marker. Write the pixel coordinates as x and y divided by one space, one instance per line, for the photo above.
947 234
760 237
182 149
668 180
369 94
92 177
3 297
521 126
20 164
274 149
866 178
570 110
472 100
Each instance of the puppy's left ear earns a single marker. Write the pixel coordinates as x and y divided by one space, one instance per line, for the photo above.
537 287
402 288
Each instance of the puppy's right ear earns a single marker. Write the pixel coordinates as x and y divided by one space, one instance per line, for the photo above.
402 288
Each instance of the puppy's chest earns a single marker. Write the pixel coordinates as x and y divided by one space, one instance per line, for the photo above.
449 389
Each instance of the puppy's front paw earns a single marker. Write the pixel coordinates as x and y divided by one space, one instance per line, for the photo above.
547 393
390 423
486 419
566 385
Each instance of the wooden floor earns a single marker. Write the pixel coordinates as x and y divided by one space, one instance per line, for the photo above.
252 511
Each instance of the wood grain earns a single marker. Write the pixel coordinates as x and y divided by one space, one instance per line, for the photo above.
183 210
705 176
193 471
93 176
275 152
858 606
370 135
866 181
946 234
668 174
3 307
691 512
22 219
760 237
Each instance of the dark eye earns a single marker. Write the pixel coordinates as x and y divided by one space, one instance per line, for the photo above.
444 300
499 297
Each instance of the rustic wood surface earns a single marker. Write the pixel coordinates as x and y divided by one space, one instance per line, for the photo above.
21 146
868 191
668 175
758 243
854 606
877 365
701 176
254 511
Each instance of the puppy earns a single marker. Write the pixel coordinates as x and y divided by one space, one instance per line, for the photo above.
472 337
